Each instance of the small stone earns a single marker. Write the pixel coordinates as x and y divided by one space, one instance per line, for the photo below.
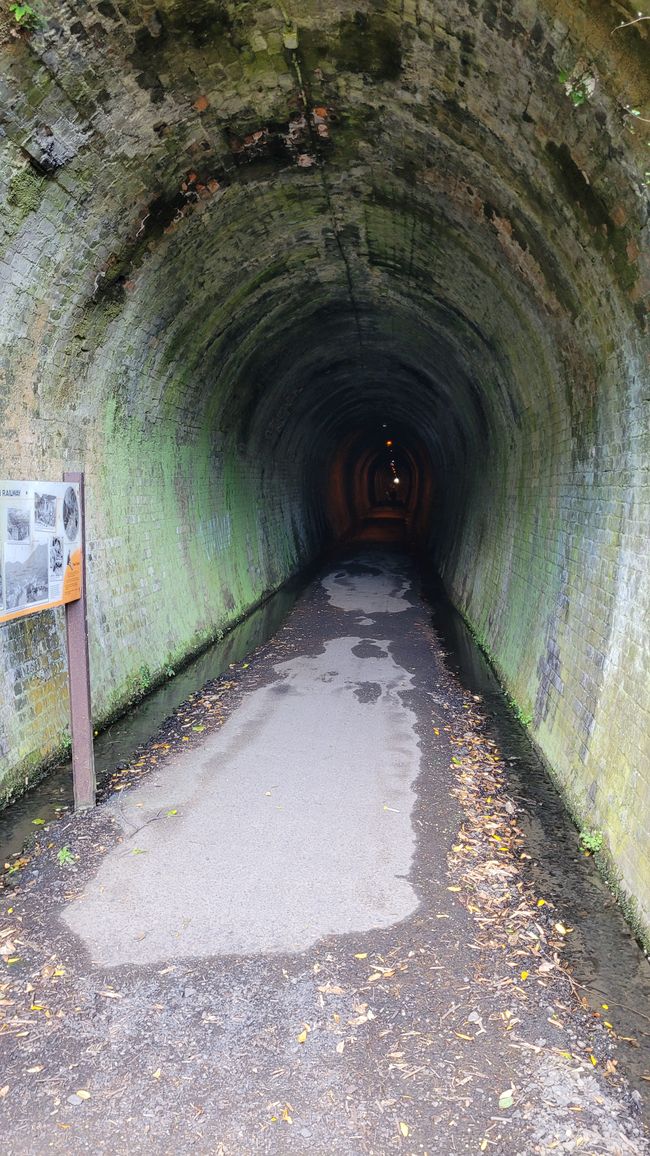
74 1099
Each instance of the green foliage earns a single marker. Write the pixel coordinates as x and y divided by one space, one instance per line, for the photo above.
64 856
525 716
25 15
591 841
579 86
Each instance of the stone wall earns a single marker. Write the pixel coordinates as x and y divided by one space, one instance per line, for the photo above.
236 237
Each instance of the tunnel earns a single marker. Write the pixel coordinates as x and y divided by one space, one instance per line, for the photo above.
245 246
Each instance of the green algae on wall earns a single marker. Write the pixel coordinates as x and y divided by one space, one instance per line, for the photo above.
24 193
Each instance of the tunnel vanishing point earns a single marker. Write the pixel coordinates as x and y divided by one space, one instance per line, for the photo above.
245 244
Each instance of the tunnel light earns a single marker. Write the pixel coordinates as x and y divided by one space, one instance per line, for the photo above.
389 442
396 481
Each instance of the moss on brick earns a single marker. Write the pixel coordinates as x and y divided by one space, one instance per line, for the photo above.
25 193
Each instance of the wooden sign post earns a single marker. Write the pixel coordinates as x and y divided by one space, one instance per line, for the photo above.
81 723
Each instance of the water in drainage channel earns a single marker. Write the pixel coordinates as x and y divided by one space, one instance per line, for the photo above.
120 741
605 959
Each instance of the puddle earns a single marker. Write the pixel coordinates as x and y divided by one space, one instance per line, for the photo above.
601 950
119 742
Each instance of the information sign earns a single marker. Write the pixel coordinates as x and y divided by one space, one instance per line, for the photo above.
41 554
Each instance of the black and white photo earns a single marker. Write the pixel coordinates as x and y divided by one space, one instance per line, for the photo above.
17 524
56 560
44 511
26 575
70 514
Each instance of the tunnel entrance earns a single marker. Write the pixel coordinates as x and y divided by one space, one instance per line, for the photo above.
245 247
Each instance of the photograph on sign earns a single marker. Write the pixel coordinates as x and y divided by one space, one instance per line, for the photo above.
26 574
56 560
40 546
71 514
18 524
45 512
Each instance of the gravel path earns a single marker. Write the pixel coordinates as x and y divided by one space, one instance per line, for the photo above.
302 922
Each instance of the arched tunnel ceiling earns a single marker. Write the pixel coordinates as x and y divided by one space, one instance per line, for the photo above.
390 206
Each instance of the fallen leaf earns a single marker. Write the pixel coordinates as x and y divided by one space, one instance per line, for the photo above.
524 974
303 1036
36 1068
3 1091
83 1094
38 822
505 1099
404 1128
362 955
341 1044
157 1074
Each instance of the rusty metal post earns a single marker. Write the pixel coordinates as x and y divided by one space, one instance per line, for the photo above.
81 726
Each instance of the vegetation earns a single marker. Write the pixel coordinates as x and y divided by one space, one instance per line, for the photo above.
591 841
25 15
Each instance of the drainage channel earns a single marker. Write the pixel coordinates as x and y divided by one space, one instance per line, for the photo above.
608 965
119 742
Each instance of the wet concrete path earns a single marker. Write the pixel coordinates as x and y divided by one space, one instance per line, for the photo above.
310 929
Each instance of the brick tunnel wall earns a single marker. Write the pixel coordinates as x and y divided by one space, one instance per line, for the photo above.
233 232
